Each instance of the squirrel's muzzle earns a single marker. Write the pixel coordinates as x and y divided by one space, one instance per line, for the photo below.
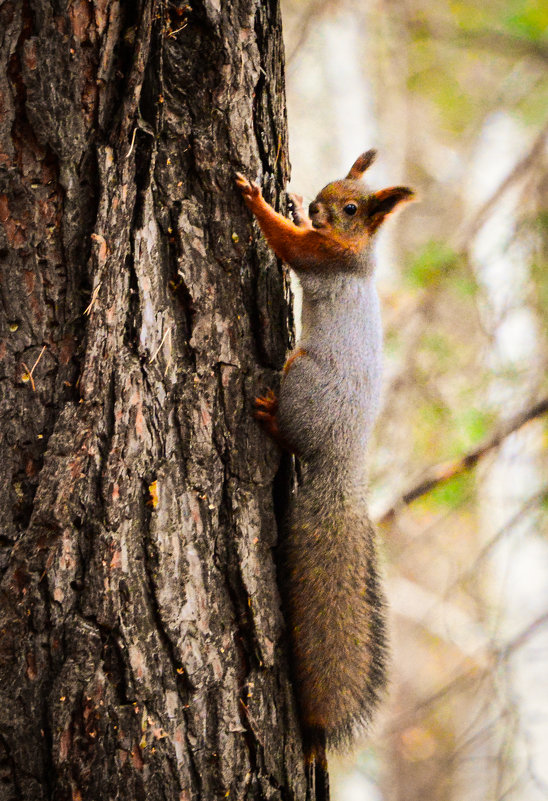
316 212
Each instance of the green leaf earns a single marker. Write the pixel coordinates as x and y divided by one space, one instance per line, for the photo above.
528 18
453 493
473 425
431 264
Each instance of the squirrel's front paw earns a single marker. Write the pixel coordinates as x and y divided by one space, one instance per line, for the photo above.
295 201
250 190
300 217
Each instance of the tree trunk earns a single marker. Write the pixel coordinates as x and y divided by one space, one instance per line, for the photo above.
141 651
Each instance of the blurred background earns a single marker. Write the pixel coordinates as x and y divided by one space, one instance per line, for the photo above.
454 95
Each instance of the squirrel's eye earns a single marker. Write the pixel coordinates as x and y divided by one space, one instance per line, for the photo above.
350 209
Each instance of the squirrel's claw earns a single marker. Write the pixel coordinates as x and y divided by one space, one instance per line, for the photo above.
263 416
266 405
299 215
295 200
241 181
249 189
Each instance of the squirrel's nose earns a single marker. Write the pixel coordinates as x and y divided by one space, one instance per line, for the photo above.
313 208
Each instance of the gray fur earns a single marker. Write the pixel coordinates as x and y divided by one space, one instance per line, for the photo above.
329 398
327 407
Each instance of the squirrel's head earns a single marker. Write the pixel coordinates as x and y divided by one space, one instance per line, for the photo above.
350 210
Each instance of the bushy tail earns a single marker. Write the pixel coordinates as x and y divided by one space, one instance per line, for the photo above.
335 611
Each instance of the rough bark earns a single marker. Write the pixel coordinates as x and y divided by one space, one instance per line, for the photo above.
141 649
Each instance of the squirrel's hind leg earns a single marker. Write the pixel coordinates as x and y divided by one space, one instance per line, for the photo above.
266 408
317 777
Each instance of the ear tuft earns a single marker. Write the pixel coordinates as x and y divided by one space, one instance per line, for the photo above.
385 201
361 164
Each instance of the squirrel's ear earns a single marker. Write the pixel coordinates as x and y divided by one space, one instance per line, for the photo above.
385 201
361 164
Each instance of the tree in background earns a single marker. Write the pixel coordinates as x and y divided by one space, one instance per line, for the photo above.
453 95
140 650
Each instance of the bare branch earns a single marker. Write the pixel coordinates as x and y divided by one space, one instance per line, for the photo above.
523 166
310 15
503 531
440 473
524 636
482 39
466 676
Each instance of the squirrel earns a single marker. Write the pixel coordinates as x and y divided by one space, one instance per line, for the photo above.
324 412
